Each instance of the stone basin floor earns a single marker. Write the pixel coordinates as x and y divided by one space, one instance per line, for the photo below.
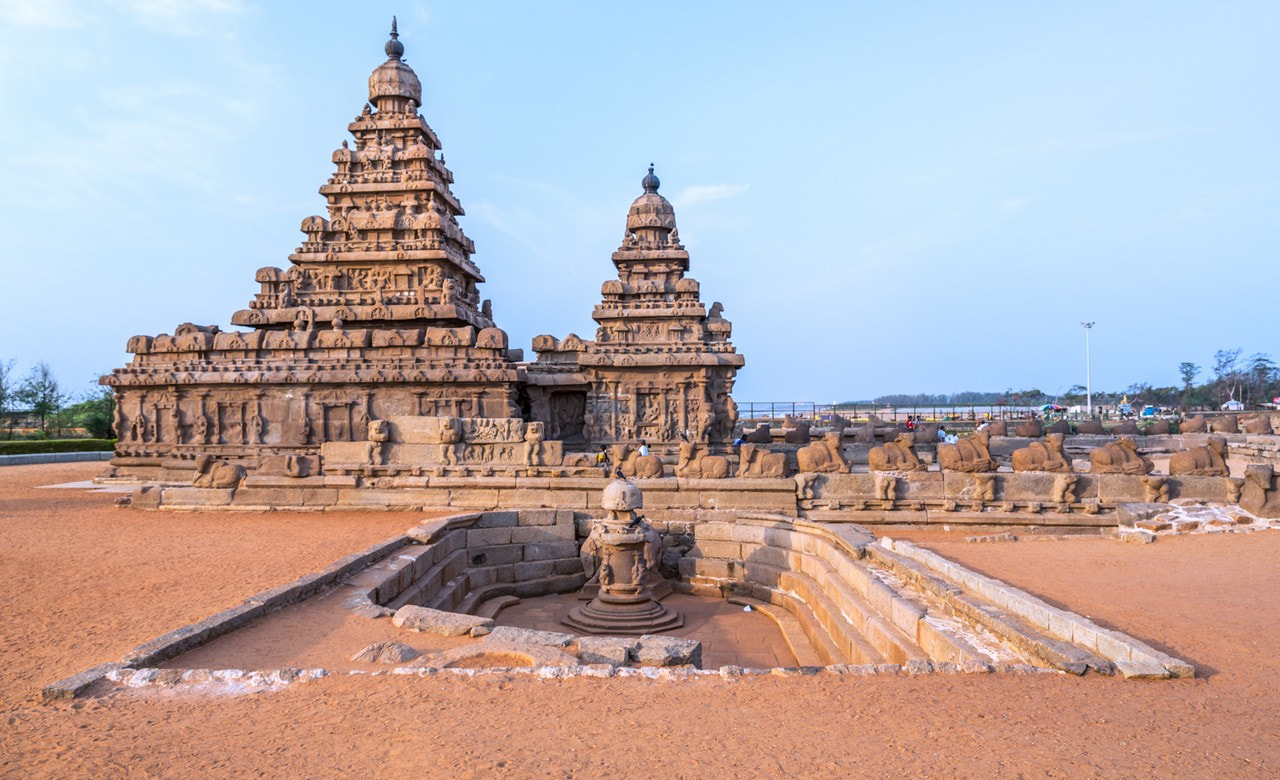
322 633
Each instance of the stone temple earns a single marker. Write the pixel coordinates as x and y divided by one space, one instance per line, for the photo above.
379 317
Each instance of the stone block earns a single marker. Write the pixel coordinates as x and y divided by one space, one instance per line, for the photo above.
1223 490
714 532
494 555
921 486
1128 515
537 517
715 567
178 497
535 570
529 636
613 650
543 551
500 519
476 498
710 549
439 622
567 566
1142 670
543 533
667 651
905 615
73 686
1120 488
483 537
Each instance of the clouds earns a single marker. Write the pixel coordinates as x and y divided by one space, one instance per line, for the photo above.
696 194
173 17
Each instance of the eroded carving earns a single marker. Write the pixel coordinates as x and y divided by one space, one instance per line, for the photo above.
1120 457
1207 460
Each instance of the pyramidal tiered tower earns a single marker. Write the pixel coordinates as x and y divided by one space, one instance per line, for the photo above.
661 368
377 316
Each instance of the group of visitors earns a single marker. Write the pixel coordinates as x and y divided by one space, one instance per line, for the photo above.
605 463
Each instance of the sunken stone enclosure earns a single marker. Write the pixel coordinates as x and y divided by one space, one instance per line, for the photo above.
373 376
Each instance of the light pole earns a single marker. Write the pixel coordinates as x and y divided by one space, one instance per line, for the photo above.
1088 384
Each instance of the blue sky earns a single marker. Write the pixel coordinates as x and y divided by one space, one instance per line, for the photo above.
886 197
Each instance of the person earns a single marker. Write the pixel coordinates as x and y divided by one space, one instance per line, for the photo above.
911 422
983 425
644 448
942 433
602 460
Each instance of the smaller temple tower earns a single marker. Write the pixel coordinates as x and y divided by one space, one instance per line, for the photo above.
661 367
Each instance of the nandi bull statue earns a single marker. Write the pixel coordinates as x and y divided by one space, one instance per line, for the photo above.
1042 456
695 463
823 456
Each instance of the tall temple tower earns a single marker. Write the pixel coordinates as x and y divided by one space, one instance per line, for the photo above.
661 367
378 315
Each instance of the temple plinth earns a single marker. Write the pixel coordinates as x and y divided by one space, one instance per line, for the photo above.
620 557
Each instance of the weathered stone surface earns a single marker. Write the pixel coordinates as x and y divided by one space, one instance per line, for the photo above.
435 621
613 650
73 686
667 651
386 653
515 635
1142 670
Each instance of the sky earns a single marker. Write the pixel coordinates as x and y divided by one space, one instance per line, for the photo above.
886 197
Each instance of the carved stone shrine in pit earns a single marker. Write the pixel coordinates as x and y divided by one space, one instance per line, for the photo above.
620 558
661 367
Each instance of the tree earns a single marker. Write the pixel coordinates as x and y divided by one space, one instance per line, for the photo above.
96 413
7 391
1226 373
1262 377
1189 372
40 393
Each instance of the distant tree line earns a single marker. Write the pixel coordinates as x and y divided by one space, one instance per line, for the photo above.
38 396
1251 381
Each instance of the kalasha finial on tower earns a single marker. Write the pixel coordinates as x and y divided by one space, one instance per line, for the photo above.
394 48
650 182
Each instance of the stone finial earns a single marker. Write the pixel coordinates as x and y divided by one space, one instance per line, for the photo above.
650 182
394 48
622 495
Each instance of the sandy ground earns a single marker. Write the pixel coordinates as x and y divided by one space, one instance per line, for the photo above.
85 582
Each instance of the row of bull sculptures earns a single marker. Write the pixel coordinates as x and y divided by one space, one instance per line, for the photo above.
973 455
798 431
968 455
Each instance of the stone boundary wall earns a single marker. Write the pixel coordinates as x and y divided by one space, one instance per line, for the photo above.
457 563
193 635
816 573
53 457
1131 657
861 603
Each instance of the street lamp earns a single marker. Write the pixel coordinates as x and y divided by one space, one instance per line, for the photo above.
1088 385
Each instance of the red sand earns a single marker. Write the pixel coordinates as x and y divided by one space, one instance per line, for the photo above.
86 582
